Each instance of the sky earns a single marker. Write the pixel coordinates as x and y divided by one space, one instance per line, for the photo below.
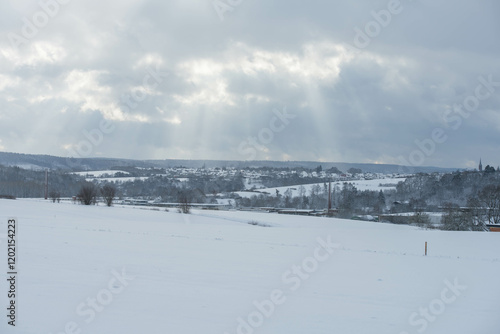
413 82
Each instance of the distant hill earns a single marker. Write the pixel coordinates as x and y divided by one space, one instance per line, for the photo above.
32 161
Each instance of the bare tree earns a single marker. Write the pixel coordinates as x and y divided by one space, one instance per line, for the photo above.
184 202
490 199
55 196
108 193
453 219
421 219
88 194
457 219
477 214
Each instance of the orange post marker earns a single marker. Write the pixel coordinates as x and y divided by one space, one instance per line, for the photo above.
426 248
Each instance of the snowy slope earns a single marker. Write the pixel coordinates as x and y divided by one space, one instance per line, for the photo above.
100 173
117 179
361 185
211 272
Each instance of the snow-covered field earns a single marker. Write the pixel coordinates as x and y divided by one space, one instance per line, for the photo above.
361 185
129 270
104 176
100 173
117 179
108 176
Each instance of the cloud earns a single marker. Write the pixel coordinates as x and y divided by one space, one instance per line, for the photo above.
218 82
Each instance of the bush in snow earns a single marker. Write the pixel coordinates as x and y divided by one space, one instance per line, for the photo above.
88 194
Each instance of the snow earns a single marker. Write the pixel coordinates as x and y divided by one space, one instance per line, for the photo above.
250 183
109 176
211 271
374 185
118 179
434 217
361 185
100 173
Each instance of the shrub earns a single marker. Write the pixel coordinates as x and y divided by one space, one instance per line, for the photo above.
108 193
88 194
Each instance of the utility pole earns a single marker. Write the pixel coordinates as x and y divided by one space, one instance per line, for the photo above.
46 184
329 212
329 197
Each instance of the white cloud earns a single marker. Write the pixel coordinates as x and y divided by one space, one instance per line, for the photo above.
7 81
35 54
150 60
84 88
227 77
315 62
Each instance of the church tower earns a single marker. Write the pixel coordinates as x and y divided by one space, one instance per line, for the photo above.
480 165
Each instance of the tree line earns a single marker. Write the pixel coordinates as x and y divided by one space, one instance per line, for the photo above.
467 198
